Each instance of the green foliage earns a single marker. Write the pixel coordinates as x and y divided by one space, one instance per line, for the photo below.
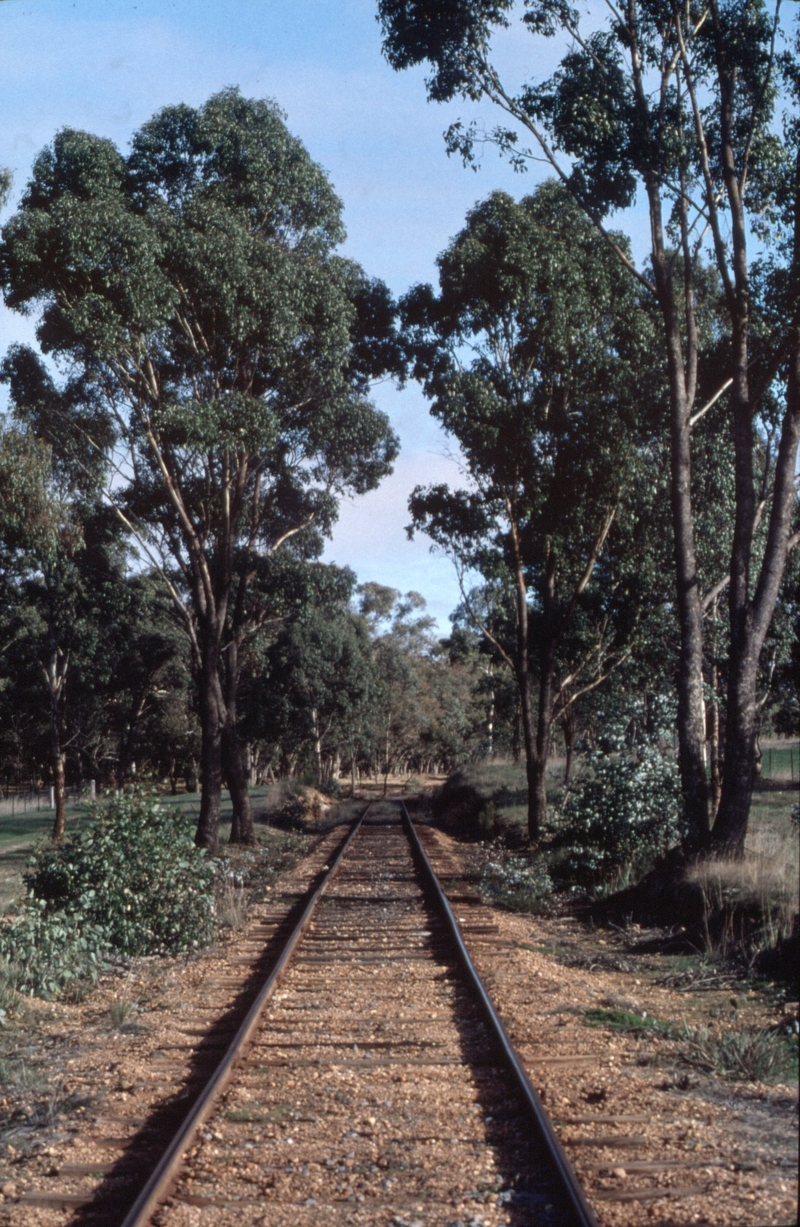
47 951
135 875
516 885
623 813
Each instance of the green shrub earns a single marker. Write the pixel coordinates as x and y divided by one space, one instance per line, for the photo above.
749 1054
517 885
46 951
462 809
135 875
622 814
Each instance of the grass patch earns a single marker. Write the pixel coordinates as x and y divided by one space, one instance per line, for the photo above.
764 887
780 762
746 1055
253 1115
534 949
772 807
120 1011
627 1020
484 798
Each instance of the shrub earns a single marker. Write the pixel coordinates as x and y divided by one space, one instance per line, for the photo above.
135 875
749 1055
518 886
45 952
461 808
623 813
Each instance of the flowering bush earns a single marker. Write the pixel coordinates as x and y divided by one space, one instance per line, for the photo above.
624 812
135 874
519 886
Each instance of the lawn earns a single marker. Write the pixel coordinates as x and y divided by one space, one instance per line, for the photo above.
780 761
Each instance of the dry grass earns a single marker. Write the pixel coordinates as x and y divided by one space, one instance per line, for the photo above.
766 881
231 902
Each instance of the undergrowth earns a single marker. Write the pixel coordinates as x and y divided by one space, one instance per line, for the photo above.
516 884
627 1020
133 883
745 1054
748 1054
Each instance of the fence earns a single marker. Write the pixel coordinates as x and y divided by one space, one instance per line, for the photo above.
40 800
780 763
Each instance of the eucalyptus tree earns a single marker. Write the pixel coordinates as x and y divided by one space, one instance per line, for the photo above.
530 354
51 631
193 291
678 99
402 644
56 545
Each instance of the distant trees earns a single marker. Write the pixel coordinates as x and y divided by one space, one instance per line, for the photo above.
193 295
681 102
355 680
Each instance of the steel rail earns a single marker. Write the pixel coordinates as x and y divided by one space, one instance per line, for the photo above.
570 1185
164 1175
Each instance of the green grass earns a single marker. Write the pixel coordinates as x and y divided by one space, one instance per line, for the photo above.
19 836
773 807
504 784
626 1020
781 762
745 1054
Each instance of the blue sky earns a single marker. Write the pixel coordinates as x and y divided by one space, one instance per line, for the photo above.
107 65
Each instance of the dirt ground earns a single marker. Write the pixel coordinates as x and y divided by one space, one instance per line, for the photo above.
66 1066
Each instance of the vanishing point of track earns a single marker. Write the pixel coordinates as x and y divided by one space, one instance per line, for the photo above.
368 1083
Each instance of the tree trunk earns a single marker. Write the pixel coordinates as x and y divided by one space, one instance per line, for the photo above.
569 742
233 759
515 732
691 706
59 792
532 767
242 816
750 618
317 745
55 681
211 724
712 716
190 779
547 670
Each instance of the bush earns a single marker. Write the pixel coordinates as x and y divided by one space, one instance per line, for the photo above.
461 808
135 875
518 886
45 952
749 1055
623 813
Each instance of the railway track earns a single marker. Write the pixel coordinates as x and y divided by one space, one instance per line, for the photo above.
369 1082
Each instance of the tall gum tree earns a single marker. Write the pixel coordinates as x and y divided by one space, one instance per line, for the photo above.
194 289
530 356
677 100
